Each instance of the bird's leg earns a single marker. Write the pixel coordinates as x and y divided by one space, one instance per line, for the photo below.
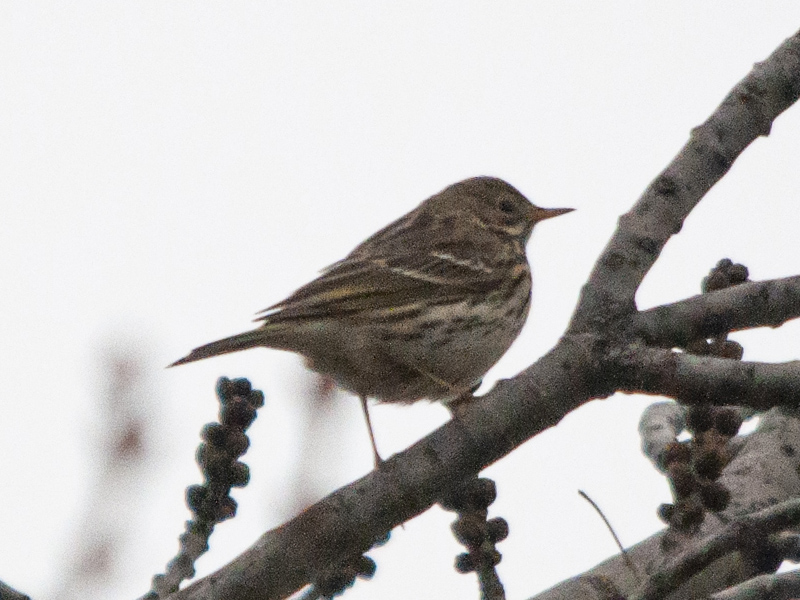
457 406
365 408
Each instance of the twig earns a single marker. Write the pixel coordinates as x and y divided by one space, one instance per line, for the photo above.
224 443
622 550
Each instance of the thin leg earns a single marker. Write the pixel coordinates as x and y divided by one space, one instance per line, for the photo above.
365 408
458 405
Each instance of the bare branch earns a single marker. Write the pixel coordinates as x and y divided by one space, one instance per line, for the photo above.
755 304
736 536
766 469
746 113
348 521
705 379
782 586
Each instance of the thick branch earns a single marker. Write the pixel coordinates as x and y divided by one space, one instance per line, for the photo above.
348 522
755 304
746 113
705 379
704 551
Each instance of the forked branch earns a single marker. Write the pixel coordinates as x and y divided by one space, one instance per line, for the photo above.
601 334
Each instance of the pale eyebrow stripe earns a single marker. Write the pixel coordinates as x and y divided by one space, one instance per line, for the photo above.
474 265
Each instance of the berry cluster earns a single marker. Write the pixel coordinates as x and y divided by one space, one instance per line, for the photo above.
724 275
210 503
694 466
223 444
472 529
344 576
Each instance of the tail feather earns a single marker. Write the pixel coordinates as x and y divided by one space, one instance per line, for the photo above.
242 341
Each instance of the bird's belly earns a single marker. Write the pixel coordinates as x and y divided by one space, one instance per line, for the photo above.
439 356
445 353
454 356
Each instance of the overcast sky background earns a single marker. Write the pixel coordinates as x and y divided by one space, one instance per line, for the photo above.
167 169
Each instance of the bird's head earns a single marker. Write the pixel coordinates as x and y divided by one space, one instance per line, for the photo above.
493 204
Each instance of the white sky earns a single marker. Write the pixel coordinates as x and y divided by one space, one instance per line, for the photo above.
169 168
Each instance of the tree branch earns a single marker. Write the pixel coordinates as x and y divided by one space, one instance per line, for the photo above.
765 470
348 521
745 114
782 586
755 304
705 379
704 551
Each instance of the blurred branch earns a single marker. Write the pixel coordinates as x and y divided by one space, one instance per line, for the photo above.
659 425
323 415
123 454
9 593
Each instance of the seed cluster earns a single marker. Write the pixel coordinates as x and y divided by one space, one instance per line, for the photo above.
479 534
694 466
223 443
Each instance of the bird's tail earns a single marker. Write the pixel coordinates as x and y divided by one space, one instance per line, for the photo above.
242 341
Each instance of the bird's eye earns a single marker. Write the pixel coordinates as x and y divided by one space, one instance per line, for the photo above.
506 206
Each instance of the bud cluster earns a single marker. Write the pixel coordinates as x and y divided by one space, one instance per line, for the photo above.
472 528
223 443
694 466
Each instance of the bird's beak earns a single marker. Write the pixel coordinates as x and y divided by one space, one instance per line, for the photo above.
540 214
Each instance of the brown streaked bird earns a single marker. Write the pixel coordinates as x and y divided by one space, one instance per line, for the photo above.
422 309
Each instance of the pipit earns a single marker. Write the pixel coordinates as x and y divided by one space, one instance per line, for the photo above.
422 309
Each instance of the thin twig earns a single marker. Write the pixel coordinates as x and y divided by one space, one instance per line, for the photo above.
622 550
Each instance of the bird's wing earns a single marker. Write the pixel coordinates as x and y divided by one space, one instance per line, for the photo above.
400 282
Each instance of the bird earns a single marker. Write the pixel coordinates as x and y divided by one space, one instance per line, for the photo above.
422 309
